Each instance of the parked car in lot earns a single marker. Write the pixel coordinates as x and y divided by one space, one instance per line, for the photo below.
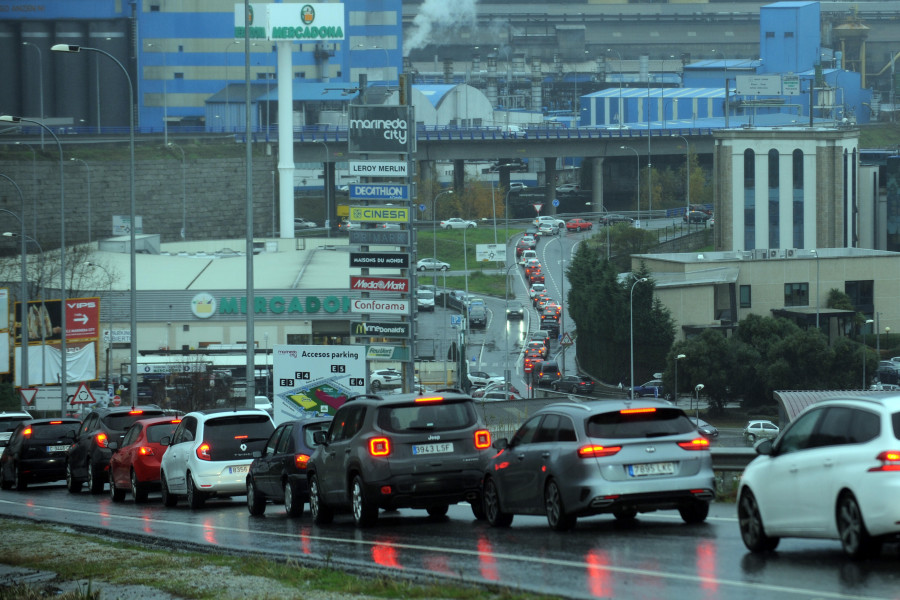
9 421
278 472
708 431
573 384
654 388
385 378
209 454
832 474
457 223
612 219
483 378
36 452
695 216
403 451
134 464
579 225
760 430
621 457
301 223
431 263
515 310
87 459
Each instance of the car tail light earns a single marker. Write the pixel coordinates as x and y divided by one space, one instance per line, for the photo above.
430 399
27 432
595 451
379 446
890 461
695 444
301 460
101 439
482 439
203 451
631 411
146 451
56 422
175 421
241 437
135 412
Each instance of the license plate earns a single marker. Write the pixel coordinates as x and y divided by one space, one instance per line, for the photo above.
647 469
57 448
432 448
239 469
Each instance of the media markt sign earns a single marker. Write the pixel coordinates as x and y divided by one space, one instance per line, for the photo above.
377 129
377 329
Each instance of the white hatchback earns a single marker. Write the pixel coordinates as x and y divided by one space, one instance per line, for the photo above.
210 452
833 473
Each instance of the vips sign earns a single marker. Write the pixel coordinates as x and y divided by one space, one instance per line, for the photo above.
381 129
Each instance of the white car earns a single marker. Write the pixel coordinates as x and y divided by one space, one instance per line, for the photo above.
301 223
385 378
548 229
431 263
760 430
517 186
567 188
8 423
536 288
348 225
483 378
209 454
558 223
456 223
832 474
424 300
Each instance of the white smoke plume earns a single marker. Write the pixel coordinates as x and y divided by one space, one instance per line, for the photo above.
444 15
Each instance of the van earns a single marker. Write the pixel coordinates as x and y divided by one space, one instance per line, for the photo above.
546 373
526 256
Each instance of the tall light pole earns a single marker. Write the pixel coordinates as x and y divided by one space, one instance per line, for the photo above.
868 322
621 106
562 302
687 178
34 187
675 395
109 342
329 189
23 293
227 82
90 238
638 194
434 230
132 388
815 253
183 191
63 349
697 389
28 238
506 371
40 83
631 333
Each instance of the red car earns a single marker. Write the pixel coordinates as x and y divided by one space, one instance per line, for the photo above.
578 225
135 463
536 276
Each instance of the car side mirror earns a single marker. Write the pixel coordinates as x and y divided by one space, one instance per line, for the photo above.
112 446
501 444
166 441
320 438
764 448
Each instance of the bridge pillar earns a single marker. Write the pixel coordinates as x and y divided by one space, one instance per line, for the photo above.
597 203
459 174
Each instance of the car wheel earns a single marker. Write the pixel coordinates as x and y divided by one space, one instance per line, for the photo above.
256 502
72 484
554 387
491 502
115 494
437 510
694 512
478 509
195 498
751 438
321 513
168 499
95 478
5 484
293 505
855 538
376 385
20 479
421 268
444 268
556 511
470 226
138 490
753 533
625 513
365 513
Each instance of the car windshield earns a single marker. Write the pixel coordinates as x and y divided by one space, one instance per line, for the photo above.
434 416
657 422
426 295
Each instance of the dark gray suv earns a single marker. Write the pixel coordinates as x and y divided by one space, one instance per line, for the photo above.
400 451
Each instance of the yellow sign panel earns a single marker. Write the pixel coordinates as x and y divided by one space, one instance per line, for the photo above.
379 214
343 210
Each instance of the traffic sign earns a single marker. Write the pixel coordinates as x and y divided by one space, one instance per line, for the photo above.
566 340
538 206
455 320
83 395
28 395
116 400
556 202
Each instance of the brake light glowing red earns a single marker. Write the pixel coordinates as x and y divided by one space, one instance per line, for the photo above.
27 432
102 440
56 422
203 451
482 439
135 412
241 437
301 460
631 411
597 451
890 461
379 446
430 399
695 444
146 451
175 421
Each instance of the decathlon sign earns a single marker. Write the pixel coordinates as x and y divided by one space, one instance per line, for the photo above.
379 191
381 129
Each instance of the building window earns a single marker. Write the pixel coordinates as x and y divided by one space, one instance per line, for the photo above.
179 75
796 294
749 199
745 296
774 217
770 35
862 295
797 189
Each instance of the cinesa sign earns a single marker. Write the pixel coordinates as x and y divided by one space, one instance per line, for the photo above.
381 129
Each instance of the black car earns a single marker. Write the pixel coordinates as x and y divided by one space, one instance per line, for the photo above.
515 310
706 430
695 216
36 452
573 384
613 219
401 451
547 373
278 473
88 458
477 316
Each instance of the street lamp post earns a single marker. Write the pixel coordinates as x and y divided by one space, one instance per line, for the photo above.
90 237
183 191
434 230
562 302
697 389
815 253
506 371
631 332
621 106
109 342
40 83
63 349
132 388
28 238
328 190
675 395
638 194
34 186
687 177
227 98
868 322
23 293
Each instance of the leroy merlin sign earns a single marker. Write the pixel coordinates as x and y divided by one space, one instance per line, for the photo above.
287 22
